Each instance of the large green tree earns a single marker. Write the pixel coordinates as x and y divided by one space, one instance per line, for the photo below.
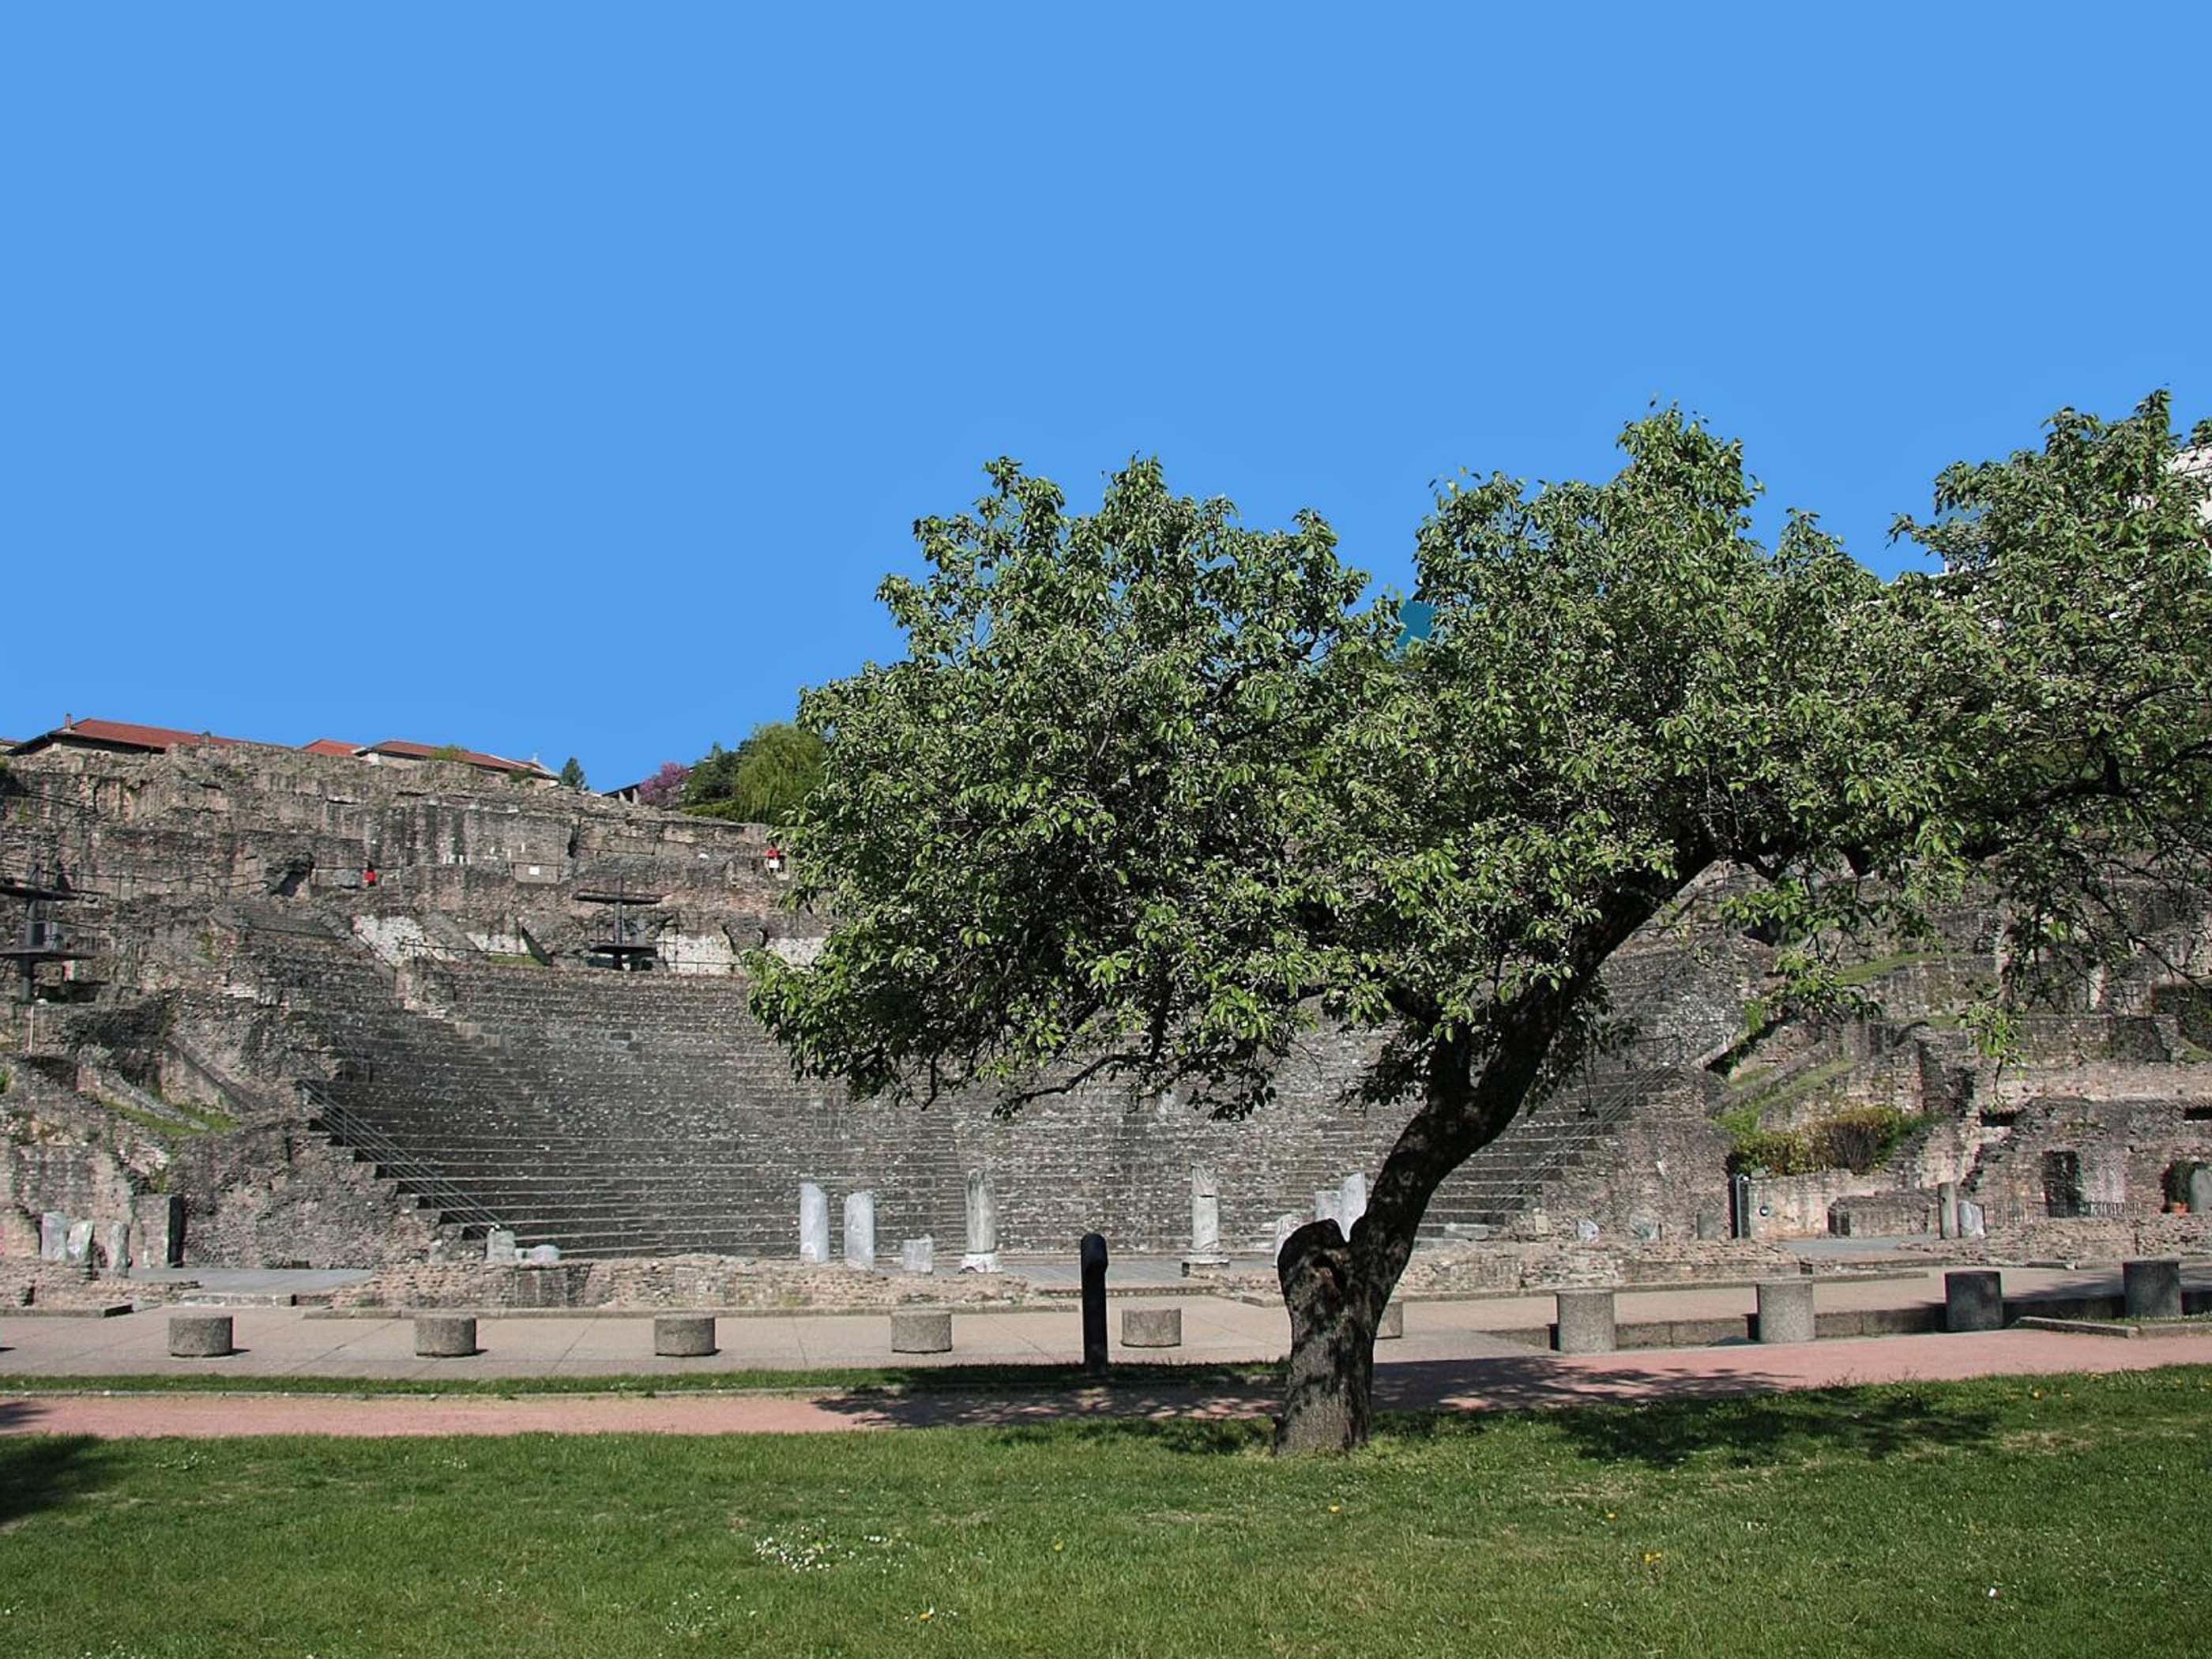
1152 793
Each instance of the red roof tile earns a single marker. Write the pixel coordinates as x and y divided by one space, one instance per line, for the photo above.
402 751
331 746
123 734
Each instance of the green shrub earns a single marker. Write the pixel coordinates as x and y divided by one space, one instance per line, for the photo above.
1858 1140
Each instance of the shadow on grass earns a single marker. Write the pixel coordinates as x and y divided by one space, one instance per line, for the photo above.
37 1471
1868 1423
1614 1411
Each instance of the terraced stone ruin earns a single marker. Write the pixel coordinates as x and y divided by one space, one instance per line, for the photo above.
322 1013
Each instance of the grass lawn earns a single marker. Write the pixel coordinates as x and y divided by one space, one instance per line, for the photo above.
2066 1516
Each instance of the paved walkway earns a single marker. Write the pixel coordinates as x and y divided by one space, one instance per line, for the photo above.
304 1343
1516 1381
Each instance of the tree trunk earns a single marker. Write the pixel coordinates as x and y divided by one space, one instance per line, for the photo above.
1329 1400
1335 1288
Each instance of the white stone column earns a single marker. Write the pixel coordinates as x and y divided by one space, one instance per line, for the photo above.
983 1252
860 1230
1350 1201
1206 1254
813 1223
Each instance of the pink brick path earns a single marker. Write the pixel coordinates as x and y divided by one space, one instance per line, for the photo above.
1475 1384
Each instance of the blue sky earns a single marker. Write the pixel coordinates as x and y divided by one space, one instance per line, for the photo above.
554 380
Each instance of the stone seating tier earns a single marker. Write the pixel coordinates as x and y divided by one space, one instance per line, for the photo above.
626 1113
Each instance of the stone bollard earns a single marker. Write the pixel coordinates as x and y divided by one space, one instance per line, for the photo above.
1785 1309
918 1255
445 1336
1392 1325
683 1336
2151 1288
1585 1322
1152 1327
922 1331
1973 1300
199 1336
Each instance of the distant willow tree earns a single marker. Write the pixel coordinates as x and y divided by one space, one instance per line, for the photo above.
763 781
1150 793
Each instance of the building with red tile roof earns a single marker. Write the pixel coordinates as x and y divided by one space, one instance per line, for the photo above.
123 737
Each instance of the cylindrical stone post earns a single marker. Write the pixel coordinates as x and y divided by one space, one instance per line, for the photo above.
1392 1325
445 1336
199 1336
1785 1309
1947 1209
683 1336
922 1331
1585 1320
1094 1304
1152 1327
1973 1300
2151 1287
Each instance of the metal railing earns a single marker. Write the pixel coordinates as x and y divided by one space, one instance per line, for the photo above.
418 1175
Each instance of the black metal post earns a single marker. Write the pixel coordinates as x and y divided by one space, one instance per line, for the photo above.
1094 1305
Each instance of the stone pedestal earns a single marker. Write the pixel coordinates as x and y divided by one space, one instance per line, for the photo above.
53 1236
1585 1322
1392 1325
1327 1205
813 1223
500 1246
683 1336
2200 1190
1285 1226
445 1336
922 1331
199 1336
918 1255
1152 1327
1973 1300
113 1245
1785 1309
981 1255
2151 1287
860 1231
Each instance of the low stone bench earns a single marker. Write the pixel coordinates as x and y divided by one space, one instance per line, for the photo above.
683 1336
1973 1300
922 1331
2150 1288
199 1336
1586 1323
445 1336
1152 1327
1785 1309
1392 1325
